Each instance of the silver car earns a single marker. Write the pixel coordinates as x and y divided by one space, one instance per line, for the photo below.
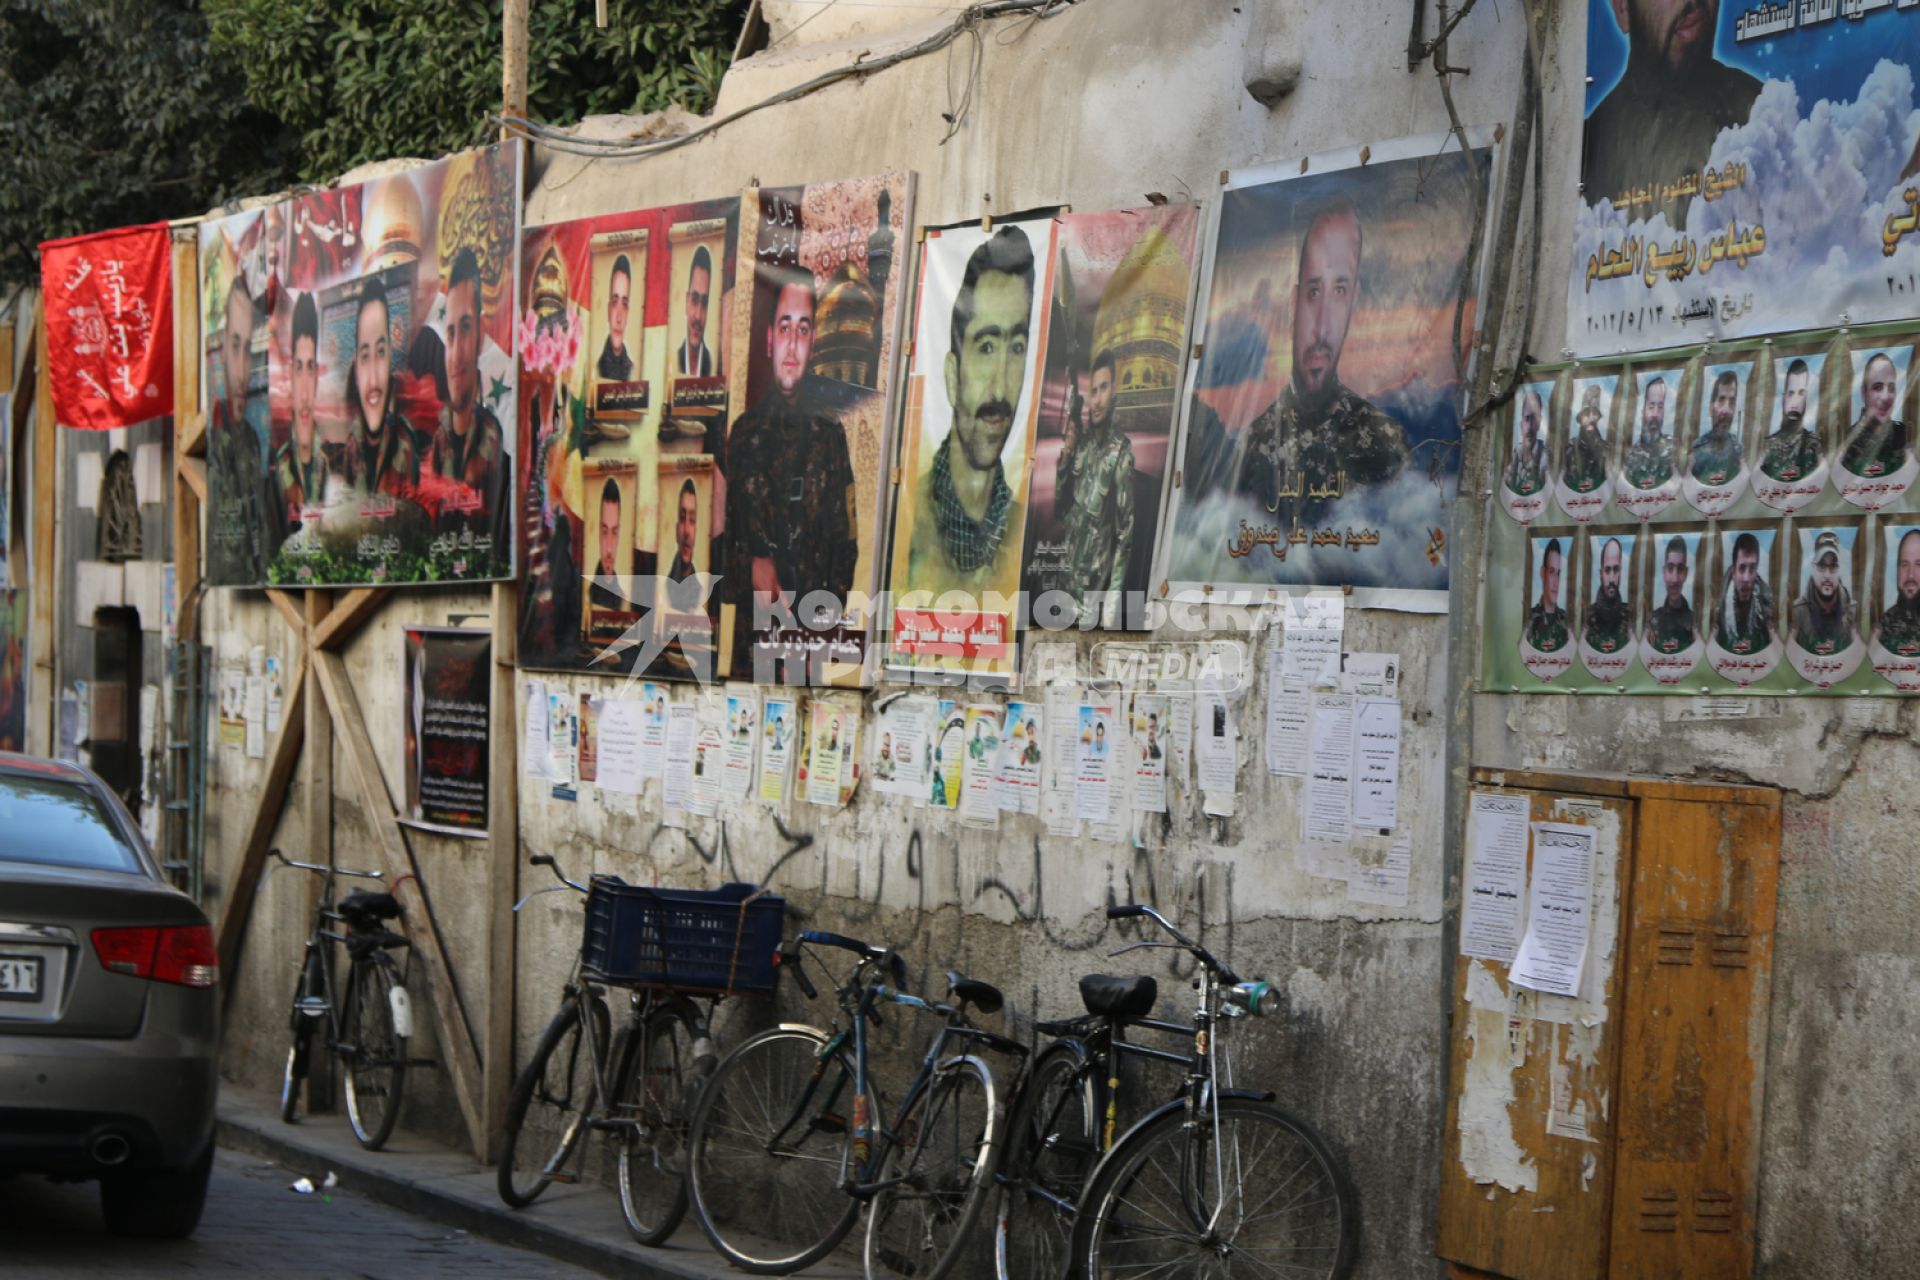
109 1017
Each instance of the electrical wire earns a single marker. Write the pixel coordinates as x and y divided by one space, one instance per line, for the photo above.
969 21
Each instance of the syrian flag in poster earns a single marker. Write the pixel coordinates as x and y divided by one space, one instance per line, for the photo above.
109 309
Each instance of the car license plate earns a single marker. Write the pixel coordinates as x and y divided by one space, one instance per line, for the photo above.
20 977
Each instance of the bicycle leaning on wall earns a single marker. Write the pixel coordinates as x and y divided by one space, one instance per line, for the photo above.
367 1027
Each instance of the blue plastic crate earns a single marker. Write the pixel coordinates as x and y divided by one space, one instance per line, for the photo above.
697 940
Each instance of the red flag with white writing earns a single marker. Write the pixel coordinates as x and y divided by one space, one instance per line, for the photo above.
109 307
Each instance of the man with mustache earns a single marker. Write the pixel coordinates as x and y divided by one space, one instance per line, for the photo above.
1877 444
1716 454
1900 624
468 445
1743 622
1671 628
300 467
1794 450
237 528
1527 468
964 508
1650 456
1608 621
616 362
379 457
1547 621
693 358
790 498
1319 440
1657 125
1586 464
1823 615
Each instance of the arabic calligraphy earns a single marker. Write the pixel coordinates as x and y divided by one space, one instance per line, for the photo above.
1280 541
1900 225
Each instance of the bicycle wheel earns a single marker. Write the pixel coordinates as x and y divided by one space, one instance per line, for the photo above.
1051 1146
770 1145
375 1054
1267 1199
649 1101
547 1112
300 1052
941 1162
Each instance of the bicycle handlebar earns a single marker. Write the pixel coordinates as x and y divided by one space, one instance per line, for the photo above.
547 860
332 871
1132 910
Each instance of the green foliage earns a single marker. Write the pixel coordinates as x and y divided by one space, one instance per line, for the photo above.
361 80
113 113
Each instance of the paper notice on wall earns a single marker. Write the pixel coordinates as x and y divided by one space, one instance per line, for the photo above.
620 727
1376 763
533 749
276 696
233 704
1216 746
683 731
1384 884
1328 814
563 743
256 717
1314 627
1017 780
1567 1117
779 730
1376 675
1151 714
830 747
1093 761
946 757
1180 708
743 739
979 807
1553 952
1289 717
901 733
1496 876
709 755
653 731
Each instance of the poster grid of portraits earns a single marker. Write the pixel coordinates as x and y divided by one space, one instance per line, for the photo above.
359 387
1737 517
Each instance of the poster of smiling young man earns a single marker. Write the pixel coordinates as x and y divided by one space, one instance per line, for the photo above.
806 461
362 338
1745 171
1321 437
972 400
1875 465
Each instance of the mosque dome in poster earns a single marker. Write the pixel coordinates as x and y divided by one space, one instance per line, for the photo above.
392 221
847 342
1142 319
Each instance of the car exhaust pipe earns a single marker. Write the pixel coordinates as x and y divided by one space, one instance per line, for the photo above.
111 1149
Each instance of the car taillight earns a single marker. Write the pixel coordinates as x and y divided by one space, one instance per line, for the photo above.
182 954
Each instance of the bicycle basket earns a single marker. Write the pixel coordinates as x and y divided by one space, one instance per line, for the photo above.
713 941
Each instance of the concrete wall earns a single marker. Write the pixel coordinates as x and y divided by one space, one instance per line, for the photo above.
1095 107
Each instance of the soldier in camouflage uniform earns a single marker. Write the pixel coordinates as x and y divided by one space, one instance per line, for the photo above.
300 466
1095 494
1743 621
1586 466
1823 615
1547 621
468 445
1319 440
1650 456
237 527
1609 619
790 496
377 459
1900 624
1877 444
1716 454
1672 627
1794 450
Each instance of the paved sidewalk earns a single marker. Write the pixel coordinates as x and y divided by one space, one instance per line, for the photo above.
579 1225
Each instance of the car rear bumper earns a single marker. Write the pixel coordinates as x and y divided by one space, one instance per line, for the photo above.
59 1095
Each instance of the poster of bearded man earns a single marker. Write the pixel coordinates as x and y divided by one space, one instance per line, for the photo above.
1606 632
1823 631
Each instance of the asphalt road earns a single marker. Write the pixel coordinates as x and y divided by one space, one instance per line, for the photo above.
253 1226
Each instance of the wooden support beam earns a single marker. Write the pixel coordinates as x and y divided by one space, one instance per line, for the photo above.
290 611
194 472
347 616
284 754
319 821
503 862
192 435
457 1050
186 409
43 732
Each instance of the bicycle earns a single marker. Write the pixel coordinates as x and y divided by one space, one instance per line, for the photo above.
1219 1181
785 1136
369 1025
647 1077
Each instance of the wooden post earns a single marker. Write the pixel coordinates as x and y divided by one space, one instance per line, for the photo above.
513 59
319 820
503 862
187 433
44 729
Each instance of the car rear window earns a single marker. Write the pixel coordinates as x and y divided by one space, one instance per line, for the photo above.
59 824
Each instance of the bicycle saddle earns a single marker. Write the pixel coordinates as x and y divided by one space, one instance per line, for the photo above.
982 996
365 909
1107 997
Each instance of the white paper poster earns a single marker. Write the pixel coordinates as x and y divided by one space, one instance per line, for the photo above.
563 742
1017 783
779 730
620 724
902 730
1384 885
533 750
256 717
1377 675
742 738
1376 763
1093 767
1314 627
1559 910
1181 708
276 686
1496 876
1216 751
709 754
830 744
1289 712
1328 814
979 806
1151 720
653 732
683 729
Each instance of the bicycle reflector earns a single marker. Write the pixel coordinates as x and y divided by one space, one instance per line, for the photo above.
181 954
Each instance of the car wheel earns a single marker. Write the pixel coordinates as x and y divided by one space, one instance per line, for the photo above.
161 1203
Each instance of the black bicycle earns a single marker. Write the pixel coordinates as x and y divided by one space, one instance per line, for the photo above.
368 1026
1218 1182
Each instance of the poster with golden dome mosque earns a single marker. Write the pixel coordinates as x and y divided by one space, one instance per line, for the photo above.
360 384
1122 290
